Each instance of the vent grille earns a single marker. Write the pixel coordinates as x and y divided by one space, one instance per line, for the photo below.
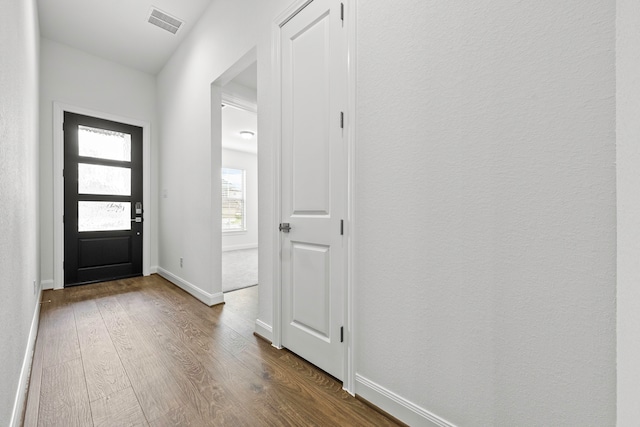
164 21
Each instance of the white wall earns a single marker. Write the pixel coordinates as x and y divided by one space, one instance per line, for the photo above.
485 199
19 229
249 163
188 225
77 78
485 203
628 198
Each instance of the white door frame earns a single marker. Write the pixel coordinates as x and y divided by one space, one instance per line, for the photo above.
349 23
58 184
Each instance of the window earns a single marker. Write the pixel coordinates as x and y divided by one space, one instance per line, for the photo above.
233 197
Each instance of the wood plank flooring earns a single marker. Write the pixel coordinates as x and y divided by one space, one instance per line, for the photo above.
142 352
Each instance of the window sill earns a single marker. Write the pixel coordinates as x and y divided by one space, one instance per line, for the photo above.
232 232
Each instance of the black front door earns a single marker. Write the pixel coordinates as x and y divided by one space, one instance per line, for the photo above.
102 200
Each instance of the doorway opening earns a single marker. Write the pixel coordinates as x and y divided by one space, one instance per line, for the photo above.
239 193
239 178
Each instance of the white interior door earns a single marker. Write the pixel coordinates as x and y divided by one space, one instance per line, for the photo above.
314 184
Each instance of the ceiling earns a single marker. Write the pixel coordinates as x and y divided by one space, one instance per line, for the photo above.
235 120
248 78
118 29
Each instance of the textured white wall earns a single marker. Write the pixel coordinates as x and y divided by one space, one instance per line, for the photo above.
628 198
248 162
77 78
485 202
226 31
19 230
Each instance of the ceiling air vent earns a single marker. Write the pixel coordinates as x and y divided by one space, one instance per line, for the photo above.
164 21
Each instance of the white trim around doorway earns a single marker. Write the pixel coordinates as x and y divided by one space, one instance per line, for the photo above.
58 184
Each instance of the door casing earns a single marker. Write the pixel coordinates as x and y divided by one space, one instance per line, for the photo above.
58 185
350 221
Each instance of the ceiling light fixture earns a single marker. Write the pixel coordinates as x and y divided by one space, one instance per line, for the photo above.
247 134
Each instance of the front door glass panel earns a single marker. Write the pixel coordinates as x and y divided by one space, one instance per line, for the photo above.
104 144
99 179
104 216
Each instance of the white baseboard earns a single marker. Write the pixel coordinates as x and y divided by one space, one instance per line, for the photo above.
264 330
238 247
397 406
205 297
46 284
21 392
153 269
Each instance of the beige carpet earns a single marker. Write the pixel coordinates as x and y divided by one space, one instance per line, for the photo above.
239 269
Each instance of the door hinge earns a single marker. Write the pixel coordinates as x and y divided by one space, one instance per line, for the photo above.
341 119
341 333
342 12
342 227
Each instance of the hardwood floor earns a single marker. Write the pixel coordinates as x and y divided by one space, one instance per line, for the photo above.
143 352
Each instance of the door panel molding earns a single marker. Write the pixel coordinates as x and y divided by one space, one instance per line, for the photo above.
59 109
